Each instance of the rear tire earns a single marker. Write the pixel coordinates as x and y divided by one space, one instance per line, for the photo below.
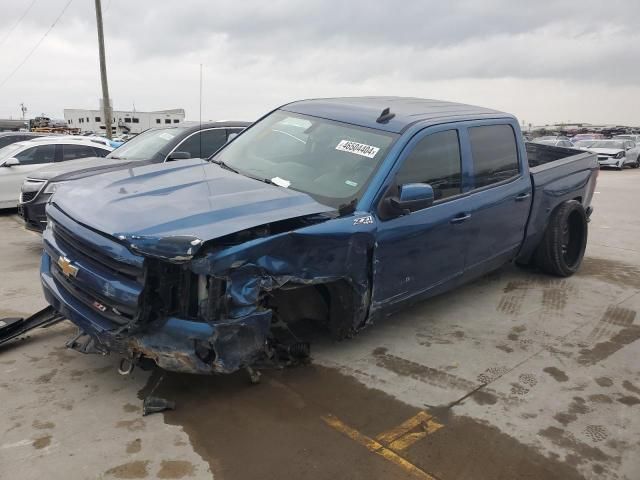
562 248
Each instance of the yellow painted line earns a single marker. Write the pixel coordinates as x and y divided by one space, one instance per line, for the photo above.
376 447
409 439
404 428
401 437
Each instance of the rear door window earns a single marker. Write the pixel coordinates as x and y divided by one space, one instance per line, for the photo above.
36 155
233 132
8 139
101 152
71 152
494 152
434 160
203 144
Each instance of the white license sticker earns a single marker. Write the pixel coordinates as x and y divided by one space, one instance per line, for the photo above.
351 183
166 136
357 148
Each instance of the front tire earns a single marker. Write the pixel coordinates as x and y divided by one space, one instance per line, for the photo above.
562 248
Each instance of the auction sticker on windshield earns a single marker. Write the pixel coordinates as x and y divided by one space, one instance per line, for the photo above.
357 148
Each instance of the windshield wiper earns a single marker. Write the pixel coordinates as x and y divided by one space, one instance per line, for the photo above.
347 208
225 166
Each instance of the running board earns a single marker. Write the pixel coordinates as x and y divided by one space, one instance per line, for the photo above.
11 328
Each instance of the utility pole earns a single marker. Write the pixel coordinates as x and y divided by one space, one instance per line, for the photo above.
106 104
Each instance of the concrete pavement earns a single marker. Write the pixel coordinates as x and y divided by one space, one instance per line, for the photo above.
517 375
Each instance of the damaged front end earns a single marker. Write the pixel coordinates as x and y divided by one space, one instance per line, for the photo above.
211 306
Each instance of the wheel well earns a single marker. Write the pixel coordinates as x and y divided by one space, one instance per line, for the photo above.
330 304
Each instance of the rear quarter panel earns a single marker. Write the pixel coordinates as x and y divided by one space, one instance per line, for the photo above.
572 178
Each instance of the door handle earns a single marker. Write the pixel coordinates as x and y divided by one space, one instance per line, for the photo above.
461 217
522 196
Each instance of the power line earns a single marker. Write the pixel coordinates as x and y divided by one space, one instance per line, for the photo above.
15 25
35 47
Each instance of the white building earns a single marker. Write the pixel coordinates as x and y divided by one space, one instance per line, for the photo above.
124 121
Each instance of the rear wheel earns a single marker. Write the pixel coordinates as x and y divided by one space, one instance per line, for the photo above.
562 248
637 164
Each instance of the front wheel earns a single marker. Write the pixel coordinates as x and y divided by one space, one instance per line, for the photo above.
562 248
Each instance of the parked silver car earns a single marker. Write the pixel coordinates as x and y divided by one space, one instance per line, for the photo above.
616 153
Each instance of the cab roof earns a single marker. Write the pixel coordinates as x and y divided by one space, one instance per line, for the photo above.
364 111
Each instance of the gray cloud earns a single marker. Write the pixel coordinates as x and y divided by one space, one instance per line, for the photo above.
278 50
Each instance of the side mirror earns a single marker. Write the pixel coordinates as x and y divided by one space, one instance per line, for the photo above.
412 197
11 162
178 156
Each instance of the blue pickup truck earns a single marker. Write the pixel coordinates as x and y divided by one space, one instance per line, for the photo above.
337 211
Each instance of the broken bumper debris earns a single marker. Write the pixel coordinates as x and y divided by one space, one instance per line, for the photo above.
174 344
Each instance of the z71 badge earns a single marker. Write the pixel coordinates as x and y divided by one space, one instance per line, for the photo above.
367 220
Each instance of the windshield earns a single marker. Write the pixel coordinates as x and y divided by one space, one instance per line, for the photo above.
146 145
331 161
583 143
9 150
607 144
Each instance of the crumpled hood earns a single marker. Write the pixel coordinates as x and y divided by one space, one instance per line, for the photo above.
170 210
74 169
606 151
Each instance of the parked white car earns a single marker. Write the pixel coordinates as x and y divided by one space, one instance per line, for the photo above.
629 136
616 153
559 141
19 159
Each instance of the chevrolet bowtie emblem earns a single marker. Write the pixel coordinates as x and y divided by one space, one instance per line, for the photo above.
68 270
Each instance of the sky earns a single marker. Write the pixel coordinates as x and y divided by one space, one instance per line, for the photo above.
544 61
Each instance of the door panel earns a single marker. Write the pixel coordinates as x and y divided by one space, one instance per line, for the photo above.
11 179
500 205
498 220
419 251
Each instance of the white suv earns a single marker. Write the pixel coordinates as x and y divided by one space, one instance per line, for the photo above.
18 159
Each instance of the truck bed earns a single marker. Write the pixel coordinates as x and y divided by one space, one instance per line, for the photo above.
539 154
557 174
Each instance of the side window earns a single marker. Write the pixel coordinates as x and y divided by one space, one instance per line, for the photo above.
7 140
101 152
495 156
233 133
435 160
36 155
208 140
71 152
